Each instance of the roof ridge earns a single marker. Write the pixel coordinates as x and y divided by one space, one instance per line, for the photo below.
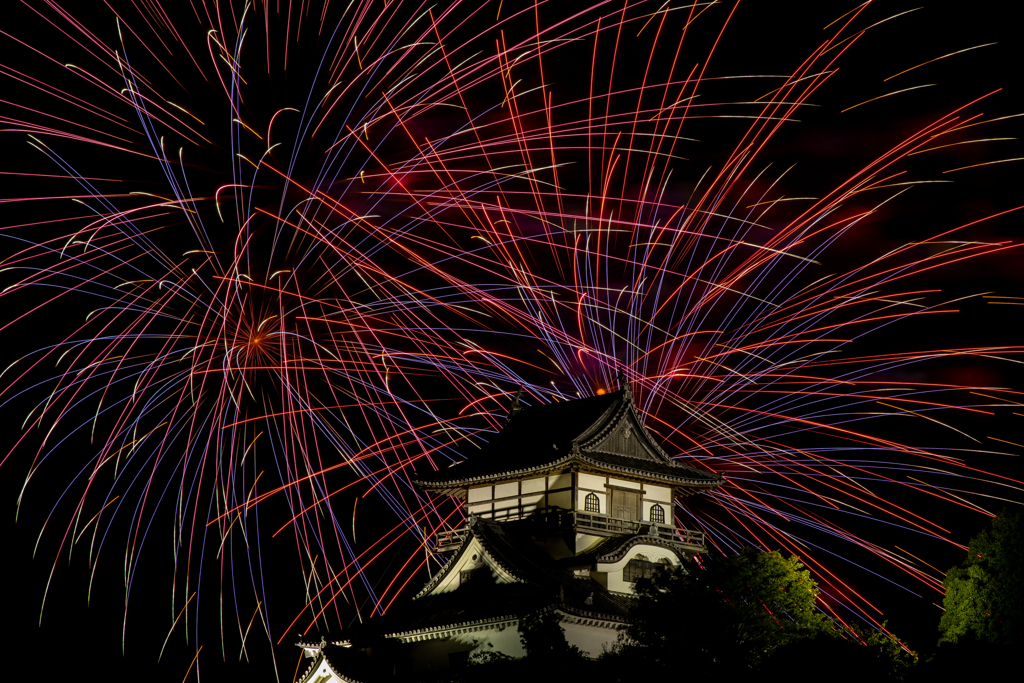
551 436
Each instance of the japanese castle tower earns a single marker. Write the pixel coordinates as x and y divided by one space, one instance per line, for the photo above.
565 508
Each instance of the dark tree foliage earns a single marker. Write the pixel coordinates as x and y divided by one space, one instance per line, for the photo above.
543 638
842 659
751 611
729 617
894 659
864 655
969 659
772 598
985 594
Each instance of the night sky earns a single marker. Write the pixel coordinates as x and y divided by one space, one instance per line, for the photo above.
765 37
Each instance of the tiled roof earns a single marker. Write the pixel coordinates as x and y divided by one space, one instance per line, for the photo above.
347 664
479 601
520 557
676 471
543 583
553 436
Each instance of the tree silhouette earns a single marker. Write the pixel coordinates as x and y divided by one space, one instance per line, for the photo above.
729 617
985 594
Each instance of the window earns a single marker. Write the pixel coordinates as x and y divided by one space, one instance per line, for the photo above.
591 503
625 504
465 575
638 567
657 514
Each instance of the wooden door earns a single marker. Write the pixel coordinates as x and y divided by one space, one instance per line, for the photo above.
626 505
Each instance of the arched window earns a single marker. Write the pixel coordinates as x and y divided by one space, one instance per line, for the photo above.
657 514
638 567
591 503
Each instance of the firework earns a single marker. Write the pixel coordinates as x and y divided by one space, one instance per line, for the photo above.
302 251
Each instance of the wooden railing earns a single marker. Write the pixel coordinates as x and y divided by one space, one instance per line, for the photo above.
446 541
687 537
589 522
603 524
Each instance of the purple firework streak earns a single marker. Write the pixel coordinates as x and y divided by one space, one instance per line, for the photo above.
288 254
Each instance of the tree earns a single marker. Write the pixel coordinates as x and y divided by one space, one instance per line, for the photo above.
543 638
985 594
548 656
852 654
894 659
773 597
731 616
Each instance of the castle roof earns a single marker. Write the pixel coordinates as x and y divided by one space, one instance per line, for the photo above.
603 433
535 582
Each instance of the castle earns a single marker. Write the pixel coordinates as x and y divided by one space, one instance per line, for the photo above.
566 507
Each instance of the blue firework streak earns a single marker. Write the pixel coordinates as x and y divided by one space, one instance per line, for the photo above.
321 247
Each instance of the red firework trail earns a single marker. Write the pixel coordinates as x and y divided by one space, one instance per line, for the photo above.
322 245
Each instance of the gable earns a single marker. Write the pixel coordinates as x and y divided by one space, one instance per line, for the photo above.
627 437
471 562
605 431
623 433
329 661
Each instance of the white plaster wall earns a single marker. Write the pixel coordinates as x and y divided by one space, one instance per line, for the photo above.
562 499
591 481
533 485
474 558
505 640
559 481
593 640
479 493
661 494
322 673
432 655
505 490
483 509
533 500
617 584
669 511
505 504
624 484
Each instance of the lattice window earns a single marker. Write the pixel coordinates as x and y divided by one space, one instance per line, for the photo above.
465 575
657 514
637 568
591 503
